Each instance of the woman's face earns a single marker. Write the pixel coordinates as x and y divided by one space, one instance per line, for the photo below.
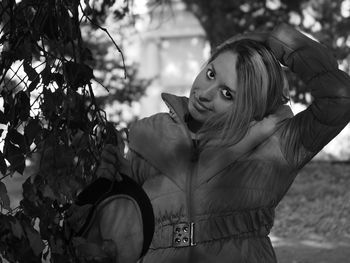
214 89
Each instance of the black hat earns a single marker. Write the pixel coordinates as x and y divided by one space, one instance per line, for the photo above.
132 210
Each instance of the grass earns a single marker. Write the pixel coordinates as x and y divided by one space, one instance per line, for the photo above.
317 205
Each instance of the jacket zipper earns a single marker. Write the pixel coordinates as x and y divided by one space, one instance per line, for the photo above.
193 172
192 175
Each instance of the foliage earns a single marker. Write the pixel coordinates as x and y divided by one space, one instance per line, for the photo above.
52 110
125 90
324 19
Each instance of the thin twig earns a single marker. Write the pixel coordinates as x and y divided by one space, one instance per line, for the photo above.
3 28
22 80
14 75
13 169
3 78
92 94
39 65
46 54
110 37
36 99
101 84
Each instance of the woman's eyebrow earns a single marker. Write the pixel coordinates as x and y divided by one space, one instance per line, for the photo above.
211 64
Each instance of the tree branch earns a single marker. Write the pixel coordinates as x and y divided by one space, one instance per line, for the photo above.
110 37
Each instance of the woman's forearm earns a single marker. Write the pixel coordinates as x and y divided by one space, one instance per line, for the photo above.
315 65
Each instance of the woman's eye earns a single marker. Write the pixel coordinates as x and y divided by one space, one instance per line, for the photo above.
210 74
227 94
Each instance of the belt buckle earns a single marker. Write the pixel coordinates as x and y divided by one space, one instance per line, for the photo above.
183 234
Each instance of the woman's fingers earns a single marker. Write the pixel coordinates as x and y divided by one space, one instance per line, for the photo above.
111 154
118 177
109 172
108 157
106 171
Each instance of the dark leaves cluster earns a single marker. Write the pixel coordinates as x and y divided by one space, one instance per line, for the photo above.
52 118
19 241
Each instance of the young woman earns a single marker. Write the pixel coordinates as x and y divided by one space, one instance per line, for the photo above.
218 164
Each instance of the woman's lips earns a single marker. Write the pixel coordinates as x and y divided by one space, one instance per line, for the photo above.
199 106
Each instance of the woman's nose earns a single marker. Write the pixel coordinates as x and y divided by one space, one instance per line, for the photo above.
207 94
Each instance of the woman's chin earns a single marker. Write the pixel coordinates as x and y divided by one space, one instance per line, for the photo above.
196 115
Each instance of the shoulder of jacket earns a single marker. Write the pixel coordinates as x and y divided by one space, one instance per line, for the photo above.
149 126
151 121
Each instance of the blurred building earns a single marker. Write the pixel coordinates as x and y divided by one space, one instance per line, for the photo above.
171 49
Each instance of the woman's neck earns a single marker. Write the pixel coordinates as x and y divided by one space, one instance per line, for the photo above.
193 125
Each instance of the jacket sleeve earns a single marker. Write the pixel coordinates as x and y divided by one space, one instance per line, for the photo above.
304 135
139 168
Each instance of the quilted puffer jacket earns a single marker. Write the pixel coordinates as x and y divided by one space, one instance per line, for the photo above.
217 205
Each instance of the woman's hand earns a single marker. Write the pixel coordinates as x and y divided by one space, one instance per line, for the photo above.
112 161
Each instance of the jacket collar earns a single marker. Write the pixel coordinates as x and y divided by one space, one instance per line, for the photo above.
169 147
212 160
178 106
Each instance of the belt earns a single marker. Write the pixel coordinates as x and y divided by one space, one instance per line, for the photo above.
206 228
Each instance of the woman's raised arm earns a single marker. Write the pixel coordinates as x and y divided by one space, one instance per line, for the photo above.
309 131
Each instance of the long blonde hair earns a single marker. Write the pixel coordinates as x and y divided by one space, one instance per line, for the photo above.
260 91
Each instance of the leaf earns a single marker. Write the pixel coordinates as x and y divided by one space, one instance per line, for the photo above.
3 165
30 208
87 55
67 25
48 106
17 229
88 9
61 258
5 200
31 73
46 75
77 74
46 254
4 225
31 130
113 136
17 138
3 118
32 86
30 192
9 110
47 192
34 239
15 156
56 245
51 26
22 105
58 78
